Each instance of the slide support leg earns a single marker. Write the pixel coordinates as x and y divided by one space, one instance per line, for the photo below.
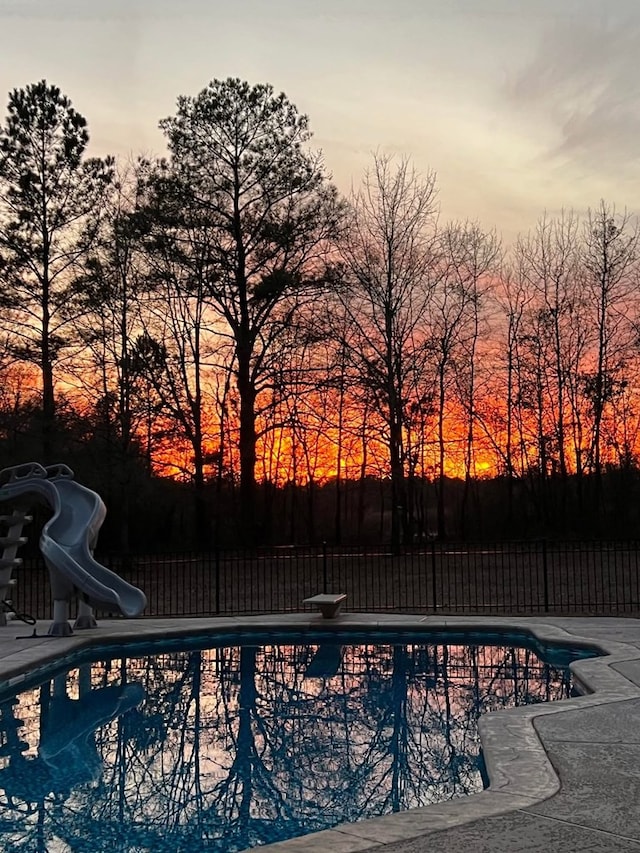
85 617
60 626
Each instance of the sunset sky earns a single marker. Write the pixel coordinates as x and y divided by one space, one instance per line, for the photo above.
518 106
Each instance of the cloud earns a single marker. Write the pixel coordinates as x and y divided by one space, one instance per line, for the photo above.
583 86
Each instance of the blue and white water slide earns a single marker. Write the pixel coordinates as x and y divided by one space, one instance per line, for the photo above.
66 542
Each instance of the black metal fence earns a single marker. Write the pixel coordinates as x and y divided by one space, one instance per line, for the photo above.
525 578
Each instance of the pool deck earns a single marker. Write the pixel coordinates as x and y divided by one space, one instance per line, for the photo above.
565 776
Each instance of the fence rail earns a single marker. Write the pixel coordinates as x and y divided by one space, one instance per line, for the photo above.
525 578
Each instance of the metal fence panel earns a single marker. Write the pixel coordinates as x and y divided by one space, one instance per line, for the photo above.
519 578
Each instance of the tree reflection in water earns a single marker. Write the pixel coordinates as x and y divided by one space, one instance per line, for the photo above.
235 746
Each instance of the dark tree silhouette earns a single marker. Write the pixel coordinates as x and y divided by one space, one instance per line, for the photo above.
388 258
49 198
239 160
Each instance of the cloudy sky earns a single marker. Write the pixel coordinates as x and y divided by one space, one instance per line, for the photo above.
519 106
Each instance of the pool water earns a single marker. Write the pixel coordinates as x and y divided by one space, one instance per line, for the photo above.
225 743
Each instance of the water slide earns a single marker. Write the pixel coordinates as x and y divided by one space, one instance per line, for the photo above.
67 541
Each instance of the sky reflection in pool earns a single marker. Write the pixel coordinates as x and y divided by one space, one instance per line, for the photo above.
233 743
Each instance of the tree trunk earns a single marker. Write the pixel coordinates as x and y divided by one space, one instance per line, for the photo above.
441 455
48 394
247 442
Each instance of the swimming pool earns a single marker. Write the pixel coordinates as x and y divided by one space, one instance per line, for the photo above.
231 741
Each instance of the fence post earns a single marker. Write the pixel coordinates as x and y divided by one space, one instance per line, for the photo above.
434 604
217 570
325 579
545 575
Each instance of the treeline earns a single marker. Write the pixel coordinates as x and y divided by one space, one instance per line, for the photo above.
231 351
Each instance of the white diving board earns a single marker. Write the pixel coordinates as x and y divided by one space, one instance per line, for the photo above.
328 604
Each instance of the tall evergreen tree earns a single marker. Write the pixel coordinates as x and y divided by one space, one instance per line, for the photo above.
49 202
240 155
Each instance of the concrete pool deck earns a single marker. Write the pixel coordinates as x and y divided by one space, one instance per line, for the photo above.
565 776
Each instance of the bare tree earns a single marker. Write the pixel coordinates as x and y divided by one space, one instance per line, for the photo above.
548 265
183 341
499 415
109 291
465 256
388 257
475 258
609 257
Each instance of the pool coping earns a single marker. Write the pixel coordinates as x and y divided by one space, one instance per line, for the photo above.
520 772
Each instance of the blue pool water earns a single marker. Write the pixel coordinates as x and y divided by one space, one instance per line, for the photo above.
226 742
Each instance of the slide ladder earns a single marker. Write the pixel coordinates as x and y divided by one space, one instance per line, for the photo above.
10 542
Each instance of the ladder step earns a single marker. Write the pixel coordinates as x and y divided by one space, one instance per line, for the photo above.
7 541
9 563
16 518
